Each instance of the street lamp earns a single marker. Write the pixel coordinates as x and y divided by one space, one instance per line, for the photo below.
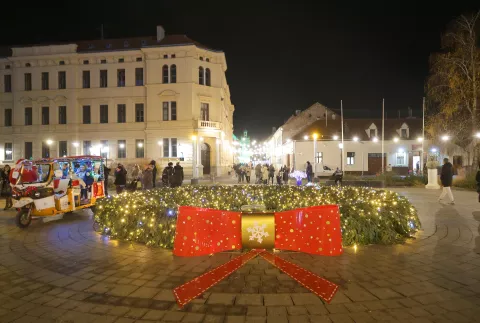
140 145
49 142
305 137
445 138
335 137
395 139
355 138
160 143
75 144
477 135
433 150
419 139
375 139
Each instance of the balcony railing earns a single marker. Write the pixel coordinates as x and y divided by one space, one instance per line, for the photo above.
208 124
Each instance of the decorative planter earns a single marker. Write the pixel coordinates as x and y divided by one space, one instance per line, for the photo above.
432 180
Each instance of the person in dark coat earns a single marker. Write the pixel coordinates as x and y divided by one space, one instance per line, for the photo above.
477 178
338 175
286 172
271 174
167 175
106 173
309 172
446 176
147 178
7 188
120 178
154 171
177 178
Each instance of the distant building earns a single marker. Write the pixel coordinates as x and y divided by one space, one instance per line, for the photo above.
130 100
293 144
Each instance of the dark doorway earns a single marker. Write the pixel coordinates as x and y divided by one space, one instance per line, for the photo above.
206 158
375 163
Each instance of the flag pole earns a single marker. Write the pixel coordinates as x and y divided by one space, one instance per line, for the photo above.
423 133
343 147
383 135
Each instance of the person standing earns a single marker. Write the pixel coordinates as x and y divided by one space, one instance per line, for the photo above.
286 172
446 177
7 188
271 174
258 173
167 175
248 173
477 178
147 177
177 178
120 178
309 172
153 163
106 173
265 174
338 175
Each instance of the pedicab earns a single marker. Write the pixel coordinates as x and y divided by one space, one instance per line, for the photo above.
50 187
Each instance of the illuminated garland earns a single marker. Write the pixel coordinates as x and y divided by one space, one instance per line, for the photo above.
369 216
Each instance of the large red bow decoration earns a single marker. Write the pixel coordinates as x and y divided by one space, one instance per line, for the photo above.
314 230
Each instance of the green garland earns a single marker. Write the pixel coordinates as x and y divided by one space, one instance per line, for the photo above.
369 216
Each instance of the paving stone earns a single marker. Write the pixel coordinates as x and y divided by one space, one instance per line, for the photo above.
122 290
234 319
193 318
144 292
340 318
256 311
355 307
418 312
224 299
154 315
306 299
209 318
384 293
165 295
277 300
276 311
249 299
135 313
336 308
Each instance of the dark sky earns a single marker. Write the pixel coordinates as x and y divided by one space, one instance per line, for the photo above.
281 56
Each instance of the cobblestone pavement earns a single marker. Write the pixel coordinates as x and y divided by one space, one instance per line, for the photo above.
64 272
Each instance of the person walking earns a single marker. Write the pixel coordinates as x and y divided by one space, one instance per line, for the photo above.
286 172
147 177
177 178
258 173
167 175
265 174
446 177
477 178
153 163
106 173
248 173
338 175
120 178
309 172
7 189
271 174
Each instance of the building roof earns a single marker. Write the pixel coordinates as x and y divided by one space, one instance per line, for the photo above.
358 127
106 45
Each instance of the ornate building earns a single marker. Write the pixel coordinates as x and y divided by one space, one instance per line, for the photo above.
129 100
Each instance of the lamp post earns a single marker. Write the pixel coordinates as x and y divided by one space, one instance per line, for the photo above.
315 136
194 160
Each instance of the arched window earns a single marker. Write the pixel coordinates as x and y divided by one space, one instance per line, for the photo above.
207 77
201 78
165 74
173 73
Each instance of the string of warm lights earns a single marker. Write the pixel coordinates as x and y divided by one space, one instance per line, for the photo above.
368 216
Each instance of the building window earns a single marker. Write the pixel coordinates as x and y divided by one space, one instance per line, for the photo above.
126 44
45 85
208 59
45 150
86 79
120 77
103 113
8 83
401 159
121 113
86 115
62 80
404 133
169 147
104 149
7 67
372 133
62 148
45 115
8 117
103 61
207 77
138 59
172 56
350 158
139 76
122 149
62 114
165 56
201 58
170 111
28 81
173 73
201 78
139 149
204 112
165 74
28 116
61 63
121 60
8 154
28 65
319 157
28 150
103 78
86 62
87 145
139 112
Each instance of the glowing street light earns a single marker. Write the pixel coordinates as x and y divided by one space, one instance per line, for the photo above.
340 145
477 135
433 150
75 144
419 139
160 143
315 136
140 144
355 139
445 138
335 137
121 146
401 150
375 139
195 138
395 139
305 137
49 142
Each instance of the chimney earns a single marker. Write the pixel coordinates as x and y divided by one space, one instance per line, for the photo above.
274 129
297 112
160 33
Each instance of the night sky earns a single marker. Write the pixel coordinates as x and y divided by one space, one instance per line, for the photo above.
281 56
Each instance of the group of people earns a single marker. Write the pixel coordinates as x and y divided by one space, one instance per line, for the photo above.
5 188
147 178
264 174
